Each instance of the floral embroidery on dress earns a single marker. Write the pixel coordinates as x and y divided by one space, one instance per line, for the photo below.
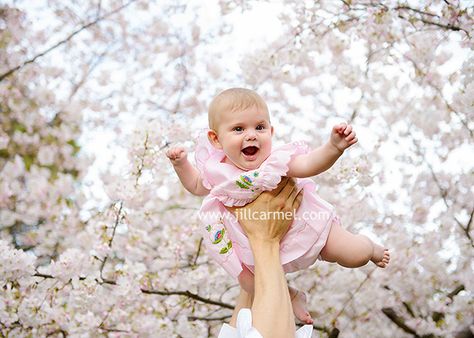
218 237
245 182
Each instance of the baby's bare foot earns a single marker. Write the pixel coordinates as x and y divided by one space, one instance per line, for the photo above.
381 256
298 301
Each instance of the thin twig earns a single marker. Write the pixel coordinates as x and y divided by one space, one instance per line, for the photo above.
198 252
85 75
142 160
443 192
440 94
367 277
117 220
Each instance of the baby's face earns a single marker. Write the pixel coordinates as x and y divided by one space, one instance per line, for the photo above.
245 136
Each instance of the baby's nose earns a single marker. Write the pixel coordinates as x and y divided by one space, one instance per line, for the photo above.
250 135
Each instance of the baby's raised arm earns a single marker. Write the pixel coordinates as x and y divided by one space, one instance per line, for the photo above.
323 157
187 173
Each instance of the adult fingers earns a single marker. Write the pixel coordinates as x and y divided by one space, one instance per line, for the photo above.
232 209
294 195
297 201
285 193
280 186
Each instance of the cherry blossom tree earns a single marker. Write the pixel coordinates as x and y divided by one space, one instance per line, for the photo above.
132 264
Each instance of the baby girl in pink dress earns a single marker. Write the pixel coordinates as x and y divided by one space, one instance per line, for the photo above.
235 162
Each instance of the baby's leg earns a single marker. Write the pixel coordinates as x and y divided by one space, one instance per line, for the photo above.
298 302
298 298
352 251
243 301
246 280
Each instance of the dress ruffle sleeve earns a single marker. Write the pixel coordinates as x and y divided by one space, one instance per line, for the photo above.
203 153
278 162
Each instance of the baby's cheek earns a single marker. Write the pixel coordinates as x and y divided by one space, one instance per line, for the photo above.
266 152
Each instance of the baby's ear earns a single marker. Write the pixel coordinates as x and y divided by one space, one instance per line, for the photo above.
212 136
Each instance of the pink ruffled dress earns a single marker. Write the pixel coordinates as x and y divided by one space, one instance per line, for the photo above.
231 186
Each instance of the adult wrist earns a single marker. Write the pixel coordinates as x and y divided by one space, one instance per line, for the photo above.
269 246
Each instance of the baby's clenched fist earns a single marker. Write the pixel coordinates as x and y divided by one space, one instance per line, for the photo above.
177 155
342 136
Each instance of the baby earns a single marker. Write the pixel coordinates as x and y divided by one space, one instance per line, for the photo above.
235 162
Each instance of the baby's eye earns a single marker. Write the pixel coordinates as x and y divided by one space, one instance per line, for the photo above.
238 129
260 127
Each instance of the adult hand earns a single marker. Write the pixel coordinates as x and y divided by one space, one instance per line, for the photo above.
265 222
270 215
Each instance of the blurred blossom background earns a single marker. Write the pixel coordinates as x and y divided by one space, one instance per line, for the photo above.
98 237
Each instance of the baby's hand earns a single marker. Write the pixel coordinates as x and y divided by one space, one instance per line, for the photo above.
342 136
177 155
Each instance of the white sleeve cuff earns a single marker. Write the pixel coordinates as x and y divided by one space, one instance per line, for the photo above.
244 328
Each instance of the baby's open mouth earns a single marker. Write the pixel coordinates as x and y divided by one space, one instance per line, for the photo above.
249 151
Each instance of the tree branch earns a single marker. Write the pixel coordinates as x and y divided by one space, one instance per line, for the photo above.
444 26
68 38
57 331
209 319
409 309
188 294
469 223
456 291
422 15
415 10
398 320
185 293
334 333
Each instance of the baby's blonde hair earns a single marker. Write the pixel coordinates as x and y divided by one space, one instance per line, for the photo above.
232 100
